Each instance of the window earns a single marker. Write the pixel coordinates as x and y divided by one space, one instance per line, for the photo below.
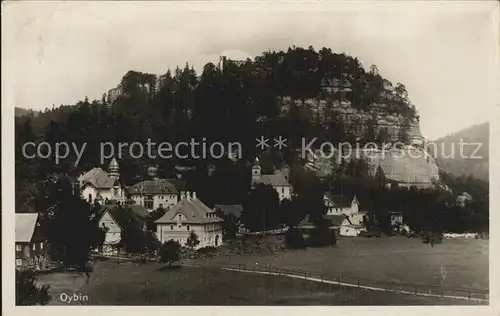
34 246
19 262
283 190
171 227
187 227
41 245
19 248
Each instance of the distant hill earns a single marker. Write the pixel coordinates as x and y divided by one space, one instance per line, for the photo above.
466 164
22 112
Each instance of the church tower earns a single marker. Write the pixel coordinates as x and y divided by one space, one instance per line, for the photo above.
256 169
114 169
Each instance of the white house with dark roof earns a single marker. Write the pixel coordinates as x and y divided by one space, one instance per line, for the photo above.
99 185
29 240
190 215
278 180
154 193
337 204
117 218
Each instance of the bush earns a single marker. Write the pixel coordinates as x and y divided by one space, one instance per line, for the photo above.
432 238
170 252
321 236
27 292
207 250
294 238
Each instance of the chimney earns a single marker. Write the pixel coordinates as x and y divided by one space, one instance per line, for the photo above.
183 195
188 196
194 196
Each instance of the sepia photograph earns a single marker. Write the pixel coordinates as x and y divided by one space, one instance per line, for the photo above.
248 154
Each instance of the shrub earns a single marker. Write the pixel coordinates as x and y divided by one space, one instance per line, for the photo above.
193 240
432 238
28 292
294 238
170 252
321 236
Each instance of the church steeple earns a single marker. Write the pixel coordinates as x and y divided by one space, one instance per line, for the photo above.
114 169
256 169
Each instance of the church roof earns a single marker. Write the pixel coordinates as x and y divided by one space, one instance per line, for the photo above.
275 180
98 178
113 163
194 211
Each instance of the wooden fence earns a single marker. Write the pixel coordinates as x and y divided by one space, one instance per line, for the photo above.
479 295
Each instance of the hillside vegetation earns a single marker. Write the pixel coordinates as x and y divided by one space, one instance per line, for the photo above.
475 159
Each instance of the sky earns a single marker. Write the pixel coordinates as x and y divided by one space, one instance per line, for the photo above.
445 54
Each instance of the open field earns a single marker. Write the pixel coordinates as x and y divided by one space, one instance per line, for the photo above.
129 283
395 259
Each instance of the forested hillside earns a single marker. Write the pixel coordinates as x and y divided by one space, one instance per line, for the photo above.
231 101
474 159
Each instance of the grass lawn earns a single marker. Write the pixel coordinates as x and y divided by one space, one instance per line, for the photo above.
129 283
396 259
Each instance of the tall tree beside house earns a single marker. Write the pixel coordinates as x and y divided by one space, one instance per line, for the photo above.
192 240
28 292
170 252
261 209
69 222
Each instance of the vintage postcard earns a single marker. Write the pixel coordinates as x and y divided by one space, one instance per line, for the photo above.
325 157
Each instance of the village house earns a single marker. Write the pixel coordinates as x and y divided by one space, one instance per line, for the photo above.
100 186
115 219
352 225
190 215
344 218
155 193
278 180
338 204
30 244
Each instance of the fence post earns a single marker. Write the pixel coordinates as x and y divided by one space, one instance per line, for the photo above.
269 269
338 279
358 283
416 290
321 277
305 275
469 295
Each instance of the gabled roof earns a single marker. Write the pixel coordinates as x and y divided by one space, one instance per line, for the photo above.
25 226
234 210
157 186
274 180
125 215
194 211
337 200
97 178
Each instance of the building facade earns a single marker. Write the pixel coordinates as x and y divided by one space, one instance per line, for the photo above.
187 216
30 244
154 193
100 186
278 180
